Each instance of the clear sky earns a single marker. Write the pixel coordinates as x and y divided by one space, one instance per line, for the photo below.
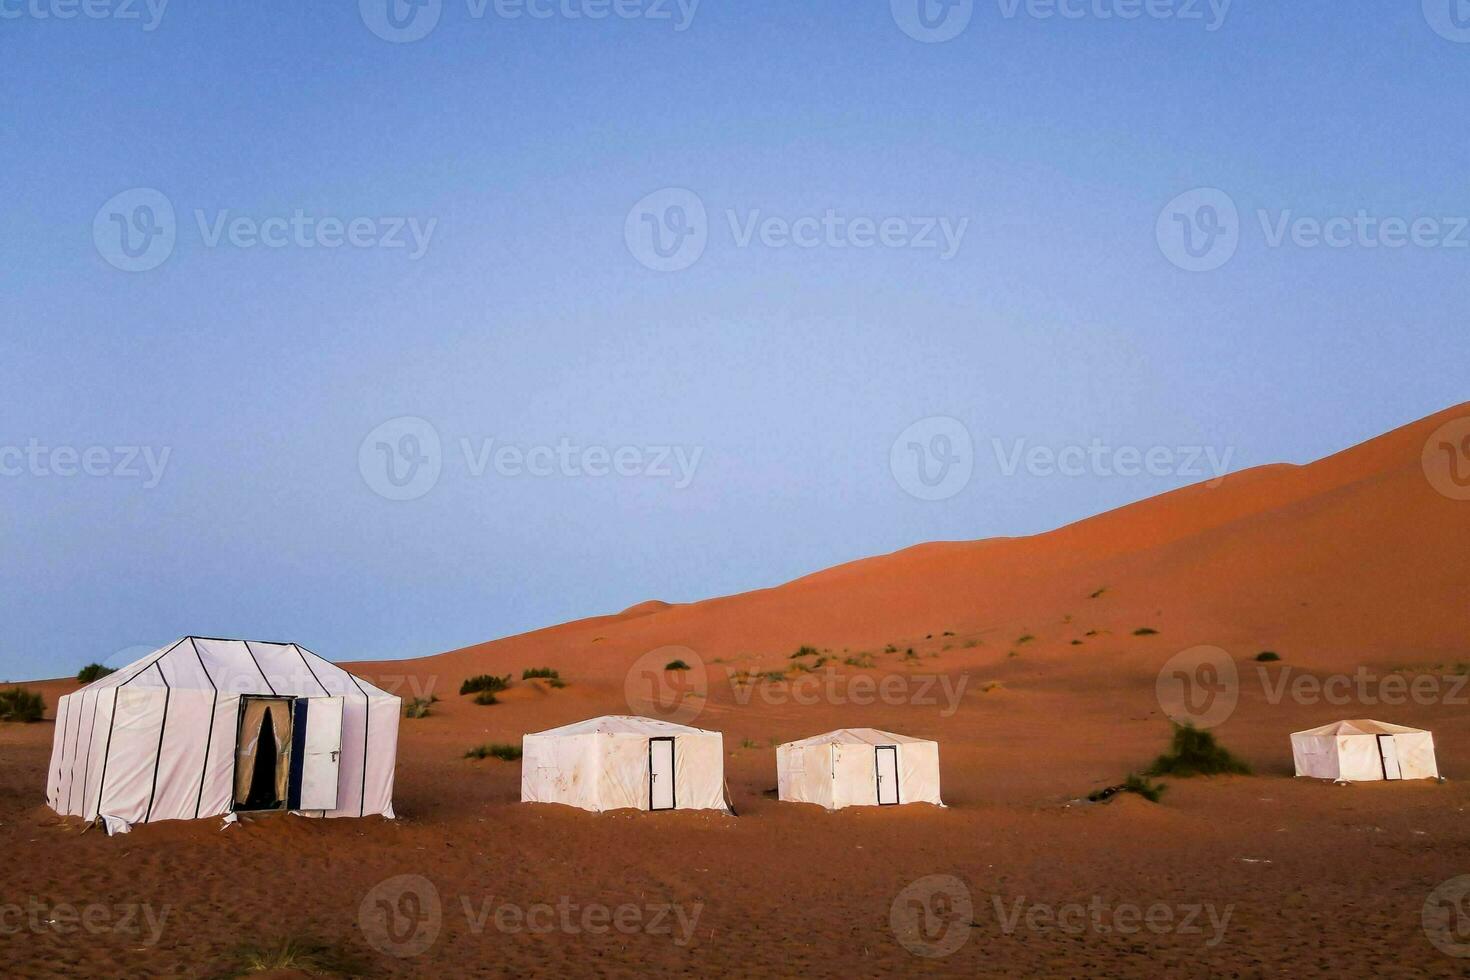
203 383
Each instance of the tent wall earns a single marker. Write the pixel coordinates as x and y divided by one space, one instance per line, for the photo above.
1315 756
610 771
160 744
1358 758
1416 755
854 774
804 774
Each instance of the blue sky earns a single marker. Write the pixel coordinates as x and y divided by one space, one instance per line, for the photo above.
263 381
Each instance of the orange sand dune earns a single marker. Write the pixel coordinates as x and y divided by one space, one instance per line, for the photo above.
1026 667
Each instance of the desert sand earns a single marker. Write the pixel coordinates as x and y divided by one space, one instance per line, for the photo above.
1029 670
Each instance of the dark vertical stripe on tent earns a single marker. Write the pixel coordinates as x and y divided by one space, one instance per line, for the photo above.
208 739
257 665
367 727
300 710
310 671
107 750
158 756
91 737
63 714
76 741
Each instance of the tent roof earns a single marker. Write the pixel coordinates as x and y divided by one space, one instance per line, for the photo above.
624 725
200 663
857 736
1361 726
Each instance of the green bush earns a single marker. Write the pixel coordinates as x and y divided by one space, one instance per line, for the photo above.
556 682
1268 656
495 750
1133 784
804 651
486 697
418 708
531 673
676 665
93 672
484 682
1145 631
18 704
1195 752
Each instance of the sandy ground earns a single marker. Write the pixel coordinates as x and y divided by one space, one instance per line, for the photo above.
1026 666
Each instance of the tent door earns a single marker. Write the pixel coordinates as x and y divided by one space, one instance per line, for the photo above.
1388 750
661 773
887 771
316 753
262 752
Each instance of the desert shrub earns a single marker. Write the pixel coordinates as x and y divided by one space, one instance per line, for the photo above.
495 750
1076 643
1098 593
860 660
296 955
1025 639
486 697
18 704
484 682
949 633
804 651
93 672
1195 752
1145 631
418 708
556 682
676 665
910 654
1133 784
1268 656
749 743
890 648
531 673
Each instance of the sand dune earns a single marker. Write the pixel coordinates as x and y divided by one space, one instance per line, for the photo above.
1038 688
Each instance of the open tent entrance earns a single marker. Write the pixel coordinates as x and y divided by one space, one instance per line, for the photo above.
263 753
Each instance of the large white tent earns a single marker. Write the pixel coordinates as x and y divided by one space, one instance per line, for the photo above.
1362 750
621 761
205 727
858 767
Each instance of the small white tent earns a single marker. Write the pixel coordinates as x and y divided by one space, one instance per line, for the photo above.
205 727
858 767
1359 751
623 761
